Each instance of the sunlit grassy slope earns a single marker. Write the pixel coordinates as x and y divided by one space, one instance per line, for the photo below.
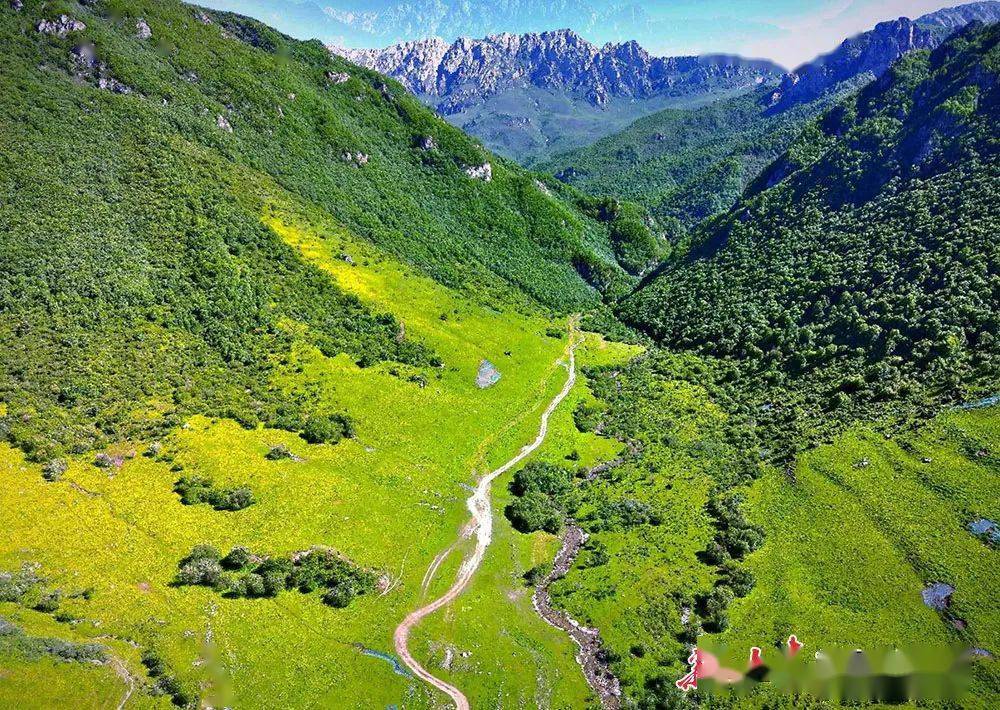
390 499
869 522
849 540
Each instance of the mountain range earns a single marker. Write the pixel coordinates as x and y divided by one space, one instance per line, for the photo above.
872 52
688 165
530 95
535 95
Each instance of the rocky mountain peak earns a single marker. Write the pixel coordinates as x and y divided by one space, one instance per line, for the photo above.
470 70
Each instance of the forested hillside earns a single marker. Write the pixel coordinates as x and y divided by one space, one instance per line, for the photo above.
685 166
861 269
141 145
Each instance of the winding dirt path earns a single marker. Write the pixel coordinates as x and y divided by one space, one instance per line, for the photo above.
481 524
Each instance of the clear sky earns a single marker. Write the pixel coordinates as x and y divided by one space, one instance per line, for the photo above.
788 31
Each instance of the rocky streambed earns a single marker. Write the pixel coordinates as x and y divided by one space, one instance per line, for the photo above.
590 658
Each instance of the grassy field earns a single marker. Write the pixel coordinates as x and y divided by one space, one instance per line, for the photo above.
390 499
848 547
868 523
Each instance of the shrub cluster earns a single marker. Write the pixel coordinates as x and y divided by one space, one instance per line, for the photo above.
241 574
195 490
545 495
736 537
165 682
13 639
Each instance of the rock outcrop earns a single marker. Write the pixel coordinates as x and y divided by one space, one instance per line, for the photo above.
871 52
90 68
358 159
482 172
62 27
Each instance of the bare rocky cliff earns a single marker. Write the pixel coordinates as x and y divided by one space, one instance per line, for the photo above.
472 70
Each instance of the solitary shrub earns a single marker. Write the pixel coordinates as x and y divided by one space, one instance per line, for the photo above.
233 499
738 578
14 585
201 572
534 511
624 514
238 558
278 452
537 573
328 429
544 478
49 601
714 608
340 596
587 417
204 552
154 663
54 470
249 586
597 554
193 489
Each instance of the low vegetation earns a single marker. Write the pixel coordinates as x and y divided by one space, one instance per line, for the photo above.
241 574
195 489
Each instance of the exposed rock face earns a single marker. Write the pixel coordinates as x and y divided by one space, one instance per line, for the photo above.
92 69
482 172
488 375
335 77
358 159
223 123
468 71
955 18
870 52
60 27
16 5
142 29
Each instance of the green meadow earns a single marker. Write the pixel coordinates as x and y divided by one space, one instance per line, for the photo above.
389 499
868 523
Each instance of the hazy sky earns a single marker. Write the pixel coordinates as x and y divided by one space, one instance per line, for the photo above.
788 31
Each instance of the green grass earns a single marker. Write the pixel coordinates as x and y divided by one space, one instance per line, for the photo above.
390 499
848 548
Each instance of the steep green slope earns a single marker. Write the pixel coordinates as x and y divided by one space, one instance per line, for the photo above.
685 166
867 273
705 540
136 162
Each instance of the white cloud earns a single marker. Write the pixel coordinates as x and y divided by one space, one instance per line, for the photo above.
802 40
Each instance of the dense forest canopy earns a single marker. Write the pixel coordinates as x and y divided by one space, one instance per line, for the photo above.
862 265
